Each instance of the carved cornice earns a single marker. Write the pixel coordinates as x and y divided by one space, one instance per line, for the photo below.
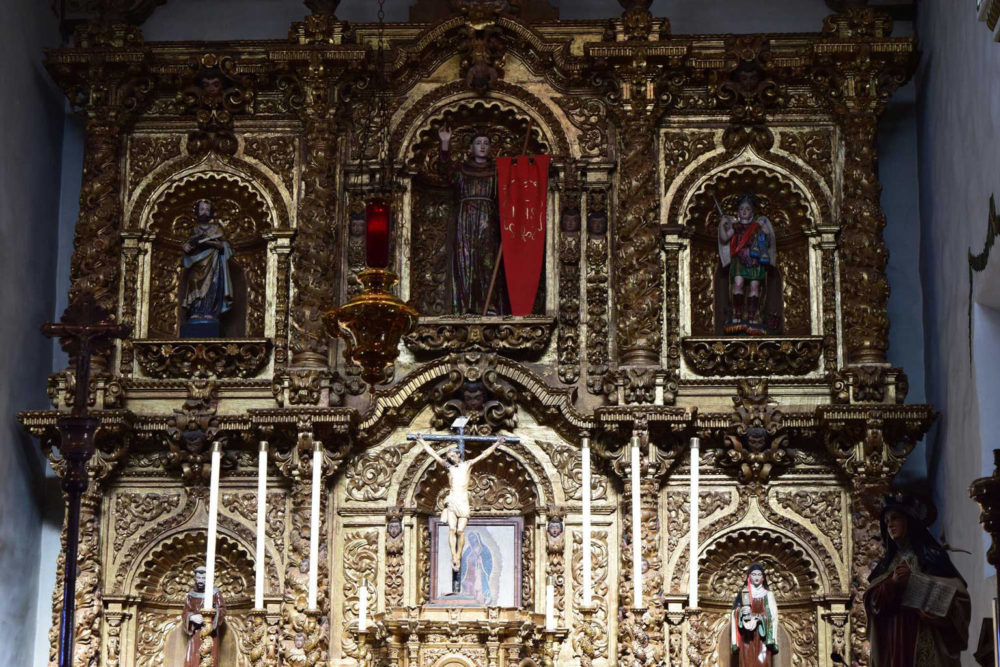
457 334
207 358
752 356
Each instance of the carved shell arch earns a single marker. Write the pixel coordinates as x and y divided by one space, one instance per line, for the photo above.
802 179
792 570
784 199
166 573
181 170
240 208
506 111
511 481
184 547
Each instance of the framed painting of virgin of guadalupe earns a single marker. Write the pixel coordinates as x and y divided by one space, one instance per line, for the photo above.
489 574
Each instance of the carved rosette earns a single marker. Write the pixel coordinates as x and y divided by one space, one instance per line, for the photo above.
735 356
215 358
368 475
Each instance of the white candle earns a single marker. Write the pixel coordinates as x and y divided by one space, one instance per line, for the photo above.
317 466
258 589
550 607
636 529
213 525
693 528
363 607
587 565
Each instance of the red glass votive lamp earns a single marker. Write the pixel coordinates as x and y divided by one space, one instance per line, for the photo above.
377 234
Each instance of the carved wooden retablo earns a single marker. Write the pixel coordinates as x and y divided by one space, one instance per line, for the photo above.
651 135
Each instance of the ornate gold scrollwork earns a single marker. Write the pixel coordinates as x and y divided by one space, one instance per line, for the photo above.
215 358
737 356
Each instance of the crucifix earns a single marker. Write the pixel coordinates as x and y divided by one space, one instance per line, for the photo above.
85 329
457 506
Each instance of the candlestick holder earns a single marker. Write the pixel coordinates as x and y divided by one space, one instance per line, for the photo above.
585 648
207 647
362 642
259 641
638 638
551 637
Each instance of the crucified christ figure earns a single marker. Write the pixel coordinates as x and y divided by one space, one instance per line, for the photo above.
456 504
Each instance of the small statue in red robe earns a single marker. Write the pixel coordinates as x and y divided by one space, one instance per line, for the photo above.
917 603
754 623
193 620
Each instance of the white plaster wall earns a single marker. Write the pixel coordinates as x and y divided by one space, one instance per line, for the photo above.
30 143
959 148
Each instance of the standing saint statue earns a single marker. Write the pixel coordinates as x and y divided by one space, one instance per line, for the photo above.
747 247
457 504
192 621
475 239
206 283
917 603
754 623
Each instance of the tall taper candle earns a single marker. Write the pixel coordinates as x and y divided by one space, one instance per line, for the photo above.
588 583
636 529
213 525
258 588
550 606
317 467
693 527
363 606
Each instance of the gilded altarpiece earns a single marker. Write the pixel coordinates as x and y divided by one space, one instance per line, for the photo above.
651 136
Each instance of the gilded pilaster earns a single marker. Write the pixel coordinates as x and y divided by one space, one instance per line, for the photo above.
315 275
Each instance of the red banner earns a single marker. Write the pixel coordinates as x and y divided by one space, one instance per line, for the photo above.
522 193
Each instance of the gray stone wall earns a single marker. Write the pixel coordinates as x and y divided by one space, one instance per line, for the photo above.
31 118
959 147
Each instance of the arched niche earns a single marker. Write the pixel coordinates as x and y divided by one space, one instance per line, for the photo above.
453 660
793 576
788 288
511 482
791 573
161 583
507 116
247 217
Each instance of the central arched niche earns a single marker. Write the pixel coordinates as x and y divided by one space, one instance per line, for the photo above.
499 485
433 204
245 217
784 204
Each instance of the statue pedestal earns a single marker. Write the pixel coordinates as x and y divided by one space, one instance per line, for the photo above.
200 329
